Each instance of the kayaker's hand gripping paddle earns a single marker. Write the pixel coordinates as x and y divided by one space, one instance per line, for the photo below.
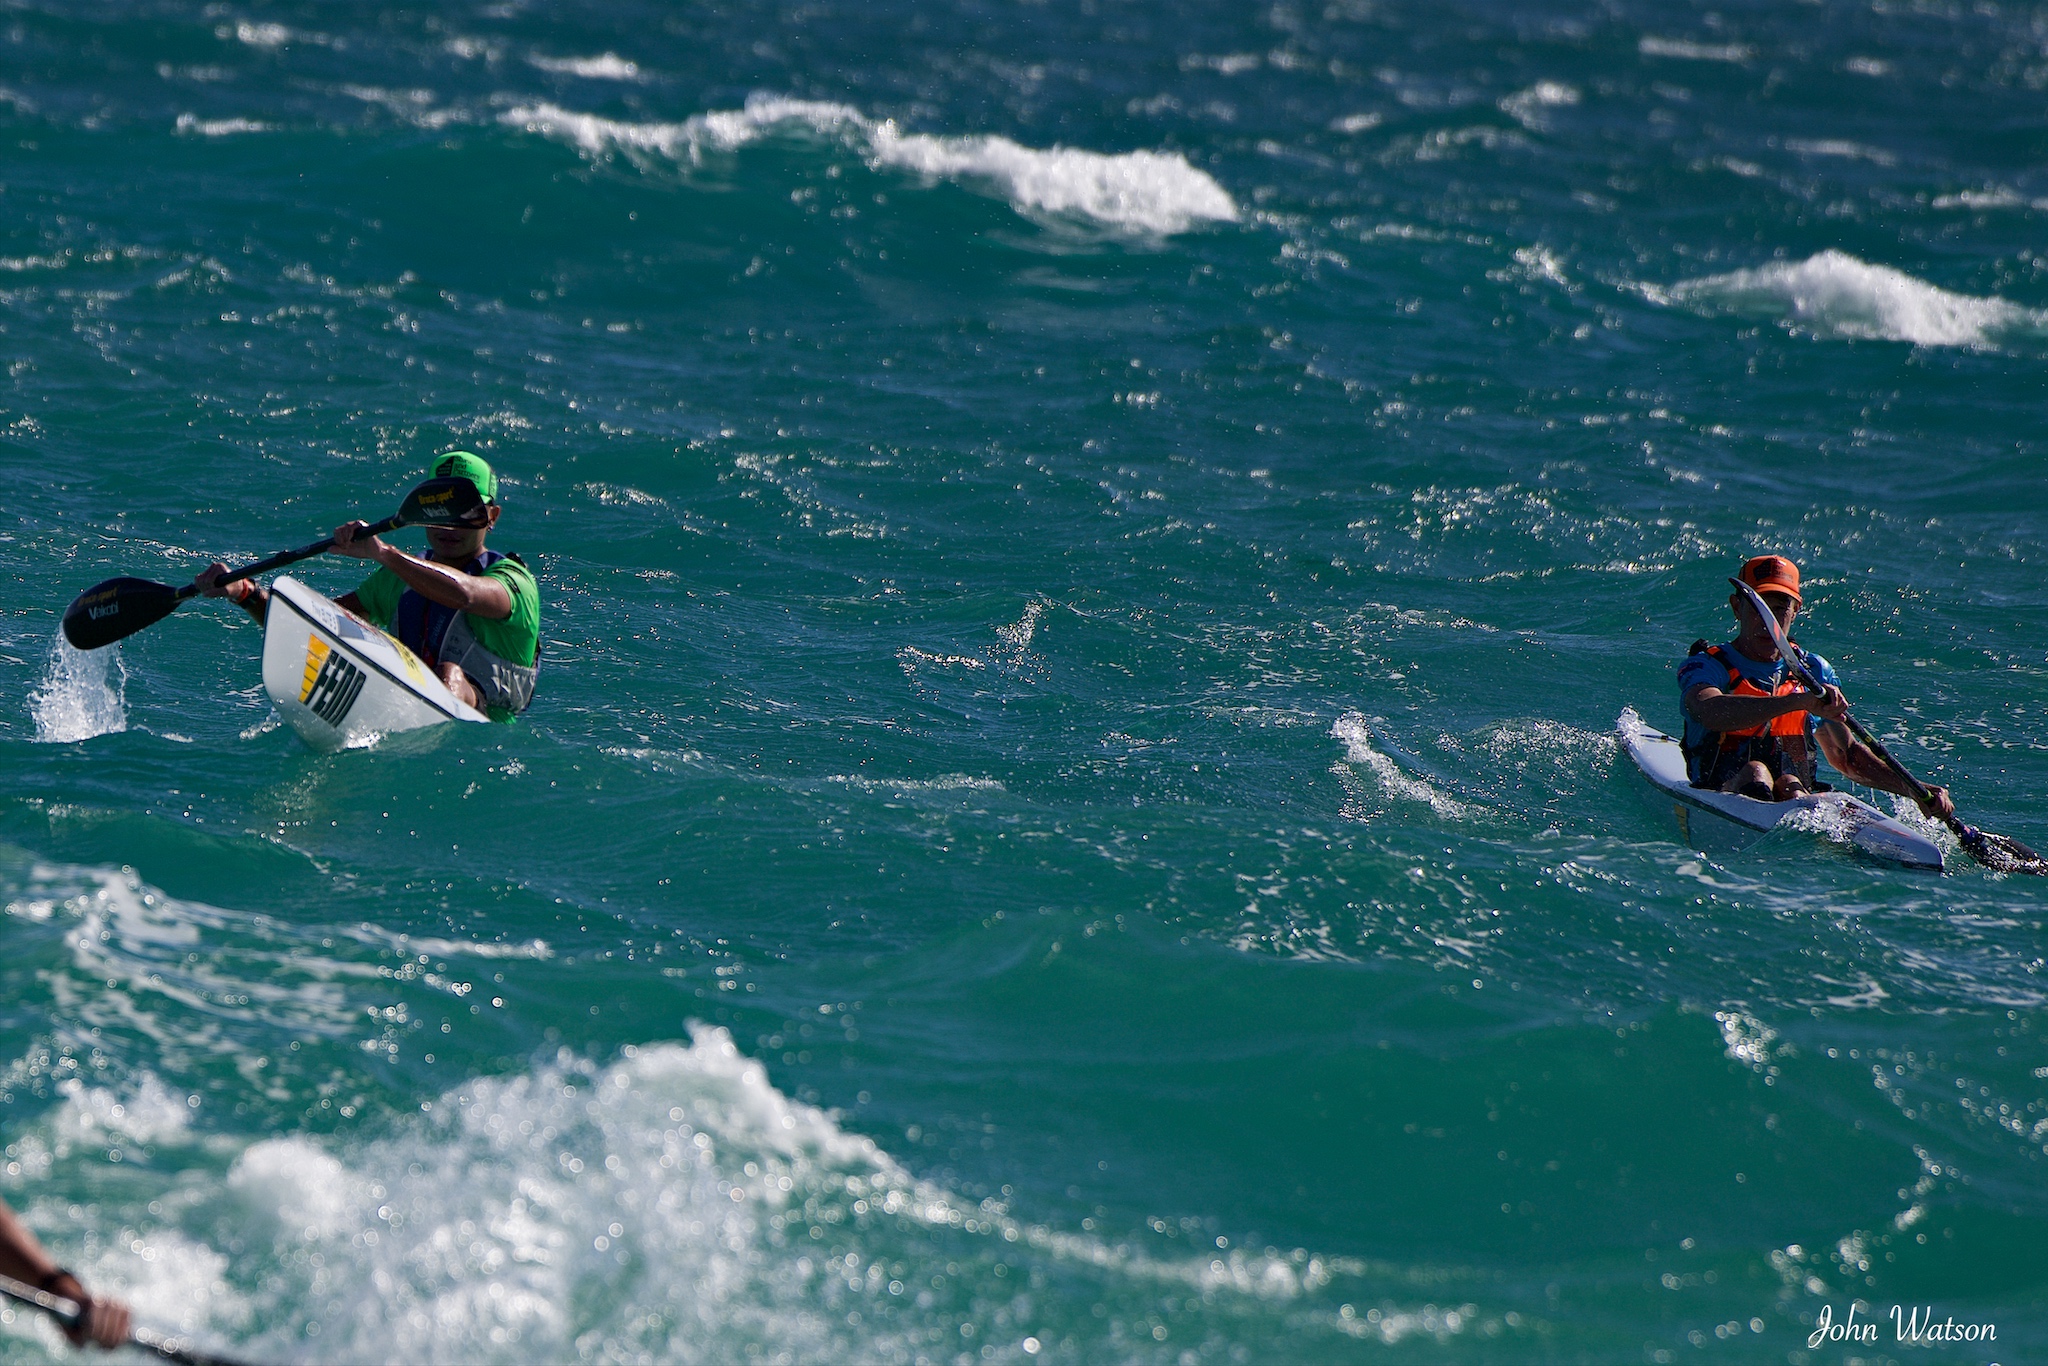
118 608
67 1311
2001 853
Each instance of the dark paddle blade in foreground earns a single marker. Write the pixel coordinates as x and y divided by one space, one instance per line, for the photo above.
118 608
65 1311
2000 853
106 612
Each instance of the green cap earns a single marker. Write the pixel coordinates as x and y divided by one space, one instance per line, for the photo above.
463 465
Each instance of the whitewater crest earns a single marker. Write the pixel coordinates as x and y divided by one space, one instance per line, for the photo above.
1157 193
608 67
1834 295
1387 778
728 1220
82 694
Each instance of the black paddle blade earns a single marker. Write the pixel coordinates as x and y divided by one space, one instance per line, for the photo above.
106 612
2002 853
451 501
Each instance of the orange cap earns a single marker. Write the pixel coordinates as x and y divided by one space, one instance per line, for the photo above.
1773 574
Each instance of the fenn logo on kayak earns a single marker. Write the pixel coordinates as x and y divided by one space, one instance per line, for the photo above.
332 683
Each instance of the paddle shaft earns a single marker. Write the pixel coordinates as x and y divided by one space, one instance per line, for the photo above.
118 608
285 557
1870 742
66 1312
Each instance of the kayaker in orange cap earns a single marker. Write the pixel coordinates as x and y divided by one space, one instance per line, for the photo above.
1751 729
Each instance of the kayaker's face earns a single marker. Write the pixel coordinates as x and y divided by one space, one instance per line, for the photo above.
459 545
1781 605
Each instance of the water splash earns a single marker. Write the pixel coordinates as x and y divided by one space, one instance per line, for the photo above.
82 694
1016 636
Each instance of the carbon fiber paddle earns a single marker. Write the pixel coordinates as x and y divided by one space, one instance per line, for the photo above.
66 1312
111 611
2000 853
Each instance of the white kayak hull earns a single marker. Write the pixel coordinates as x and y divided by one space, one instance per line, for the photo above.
339 681
1722 818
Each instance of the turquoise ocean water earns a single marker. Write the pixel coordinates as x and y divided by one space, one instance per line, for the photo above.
1091 554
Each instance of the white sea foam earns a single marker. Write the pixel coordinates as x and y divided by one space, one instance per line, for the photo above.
141 959
81 695
608 67
436 947
218 128
1686 50
146 1112
1749 1040
416 107
1996 197
1536 263
1835 295
945 782
1840 147
258 35
910 659
1359 754
712 1217
1142 191
672 1204
1156 192
1527 107
1016 637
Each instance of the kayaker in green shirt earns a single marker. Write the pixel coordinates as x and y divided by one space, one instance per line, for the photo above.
473 615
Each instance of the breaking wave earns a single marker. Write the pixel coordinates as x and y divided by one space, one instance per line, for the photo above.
672 1205
1143 191
1834 295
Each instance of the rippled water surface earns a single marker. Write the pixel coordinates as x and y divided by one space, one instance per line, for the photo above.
1091 554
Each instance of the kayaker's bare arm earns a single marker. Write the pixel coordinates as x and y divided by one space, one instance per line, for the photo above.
247 594
253 597
22 1256
1854 759
477 594
1717 710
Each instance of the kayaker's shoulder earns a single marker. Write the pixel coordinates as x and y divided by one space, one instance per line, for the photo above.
516 573
1702 665
1818 663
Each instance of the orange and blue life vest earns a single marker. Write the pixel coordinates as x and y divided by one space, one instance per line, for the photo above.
1780 744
